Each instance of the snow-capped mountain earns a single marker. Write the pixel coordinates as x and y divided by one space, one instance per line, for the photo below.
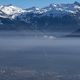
51 17
56 9
8 11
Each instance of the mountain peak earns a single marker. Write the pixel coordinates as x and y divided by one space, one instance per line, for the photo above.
53 5
77 3
33 8
10 9
53 9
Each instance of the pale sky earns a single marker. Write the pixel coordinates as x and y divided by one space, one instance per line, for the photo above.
31 3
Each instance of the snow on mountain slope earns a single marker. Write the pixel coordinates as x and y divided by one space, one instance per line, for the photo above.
54 10
52 17
9 11
33 10
62 8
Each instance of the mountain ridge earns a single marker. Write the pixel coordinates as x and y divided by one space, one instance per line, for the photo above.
52 17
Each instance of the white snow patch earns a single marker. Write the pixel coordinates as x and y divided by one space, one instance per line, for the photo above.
51 37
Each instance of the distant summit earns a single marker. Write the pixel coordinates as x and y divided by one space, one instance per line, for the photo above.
53 17
77 3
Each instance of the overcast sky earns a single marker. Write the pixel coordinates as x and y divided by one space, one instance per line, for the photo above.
30 3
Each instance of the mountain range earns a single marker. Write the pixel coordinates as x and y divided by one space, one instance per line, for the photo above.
54 17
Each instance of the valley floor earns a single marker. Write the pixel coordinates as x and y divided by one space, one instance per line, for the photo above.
41 57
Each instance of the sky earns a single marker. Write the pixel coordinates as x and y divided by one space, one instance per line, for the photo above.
31 3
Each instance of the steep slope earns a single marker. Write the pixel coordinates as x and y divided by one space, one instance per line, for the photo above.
55 17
